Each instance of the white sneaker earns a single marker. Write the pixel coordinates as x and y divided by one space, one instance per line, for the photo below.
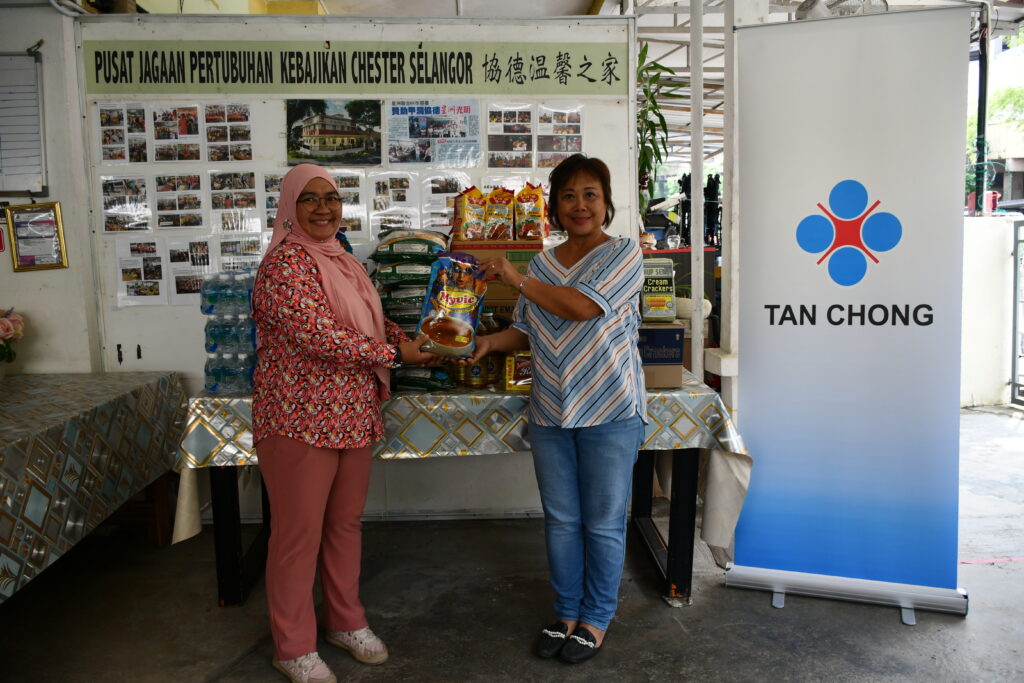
363 644
308 668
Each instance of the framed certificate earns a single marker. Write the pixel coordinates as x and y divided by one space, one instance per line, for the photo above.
36 236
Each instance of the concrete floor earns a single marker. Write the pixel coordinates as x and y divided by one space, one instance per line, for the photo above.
462 600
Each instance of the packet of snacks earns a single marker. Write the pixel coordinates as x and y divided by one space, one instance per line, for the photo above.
499 218
531 214
469 215
451 308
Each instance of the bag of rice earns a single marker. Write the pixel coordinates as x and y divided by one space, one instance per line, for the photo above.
403 296
409 245
402 273
451 309
412 378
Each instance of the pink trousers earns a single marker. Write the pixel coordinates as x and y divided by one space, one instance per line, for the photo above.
316 498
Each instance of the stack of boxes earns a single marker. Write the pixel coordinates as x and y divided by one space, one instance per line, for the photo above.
663 341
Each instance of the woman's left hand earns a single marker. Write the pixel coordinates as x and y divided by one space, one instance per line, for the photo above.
501 270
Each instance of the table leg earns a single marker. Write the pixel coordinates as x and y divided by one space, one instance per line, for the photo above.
227 534
236 572
673 558
682 523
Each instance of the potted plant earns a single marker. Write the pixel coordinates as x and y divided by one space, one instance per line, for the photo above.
684 302
651 129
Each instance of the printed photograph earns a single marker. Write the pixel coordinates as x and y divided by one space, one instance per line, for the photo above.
240 152
152 268
334 132
137 153
217 153
136 120
187 284
445 185
111 117
142 248
144 288
214 113
510 159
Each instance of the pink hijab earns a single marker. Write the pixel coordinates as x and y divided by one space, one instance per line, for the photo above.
352 297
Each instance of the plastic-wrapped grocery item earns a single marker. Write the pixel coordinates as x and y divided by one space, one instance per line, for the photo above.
452 308
498 218
531 214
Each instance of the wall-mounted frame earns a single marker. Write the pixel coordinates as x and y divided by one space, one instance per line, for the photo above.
36 236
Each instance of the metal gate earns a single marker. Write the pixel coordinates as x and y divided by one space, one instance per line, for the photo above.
1017 378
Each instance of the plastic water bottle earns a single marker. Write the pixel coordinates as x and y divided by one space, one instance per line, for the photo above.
250 282
244 334
239 294
208 295
220 294
218 334
231 375
214 373
245 367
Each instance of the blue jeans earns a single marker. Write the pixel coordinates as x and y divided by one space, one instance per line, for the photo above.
585 475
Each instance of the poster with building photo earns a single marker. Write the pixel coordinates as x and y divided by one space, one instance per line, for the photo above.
228 132
559 134
241 251
443 133
179 201
510 129
439 191
395 202
189 261
333 132
140 271
233 202
176 133
125 204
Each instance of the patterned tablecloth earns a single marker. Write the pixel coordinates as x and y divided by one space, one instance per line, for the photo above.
460 422
74 448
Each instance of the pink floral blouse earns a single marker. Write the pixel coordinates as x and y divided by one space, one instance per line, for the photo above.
314 378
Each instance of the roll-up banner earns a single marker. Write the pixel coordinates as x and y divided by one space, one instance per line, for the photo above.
851 138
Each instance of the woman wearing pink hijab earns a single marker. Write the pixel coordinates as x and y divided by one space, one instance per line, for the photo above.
325 355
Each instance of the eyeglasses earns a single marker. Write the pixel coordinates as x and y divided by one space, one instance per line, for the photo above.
312 203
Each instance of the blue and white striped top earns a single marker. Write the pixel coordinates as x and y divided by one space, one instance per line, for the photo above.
587 373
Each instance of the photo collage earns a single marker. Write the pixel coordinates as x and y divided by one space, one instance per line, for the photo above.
220 215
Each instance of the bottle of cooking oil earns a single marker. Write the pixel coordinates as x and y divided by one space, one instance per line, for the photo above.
476 373
494 361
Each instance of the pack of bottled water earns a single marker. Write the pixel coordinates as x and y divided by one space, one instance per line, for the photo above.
230 338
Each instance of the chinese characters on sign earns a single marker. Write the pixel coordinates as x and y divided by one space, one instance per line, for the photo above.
464 68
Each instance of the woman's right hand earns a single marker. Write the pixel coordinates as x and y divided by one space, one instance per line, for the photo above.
410 353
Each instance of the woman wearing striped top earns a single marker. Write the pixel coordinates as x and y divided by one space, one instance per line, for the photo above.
579 315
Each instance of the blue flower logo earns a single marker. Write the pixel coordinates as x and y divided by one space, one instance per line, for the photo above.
848 233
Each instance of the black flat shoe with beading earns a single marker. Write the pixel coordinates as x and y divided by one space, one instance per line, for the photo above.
551 640
580 646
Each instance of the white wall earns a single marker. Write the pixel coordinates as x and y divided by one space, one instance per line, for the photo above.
987 311
59 305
